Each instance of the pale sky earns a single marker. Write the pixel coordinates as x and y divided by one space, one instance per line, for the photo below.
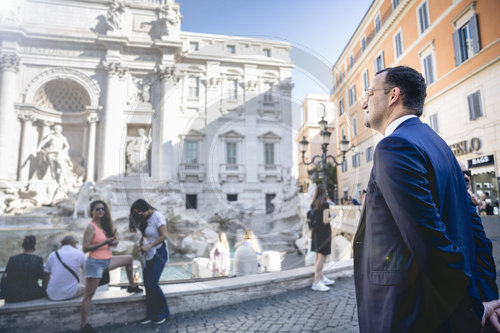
317 30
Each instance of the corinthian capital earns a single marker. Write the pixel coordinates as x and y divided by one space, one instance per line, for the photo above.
286 88
116 69
169 73
9 62
93 118
26 117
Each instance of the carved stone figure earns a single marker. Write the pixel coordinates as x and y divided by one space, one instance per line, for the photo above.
114 15
168 19
138 153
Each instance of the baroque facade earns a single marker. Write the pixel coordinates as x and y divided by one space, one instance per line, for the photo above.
455 45
135 96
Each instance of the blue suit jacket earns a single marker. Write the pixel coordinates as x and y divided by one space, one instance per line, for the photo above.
422 262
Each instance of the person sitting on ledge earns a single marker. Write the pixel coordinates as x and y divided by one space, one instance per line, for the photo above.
63 270
23 272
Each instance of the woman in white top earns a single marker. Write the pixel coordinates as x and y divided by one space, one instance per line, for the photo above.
153 245
220 255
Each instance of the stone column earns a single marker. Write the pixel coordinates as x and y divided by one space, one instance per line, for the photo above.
163 159
24 162
289 149
9 133
251 158
46 125
110 160
91 119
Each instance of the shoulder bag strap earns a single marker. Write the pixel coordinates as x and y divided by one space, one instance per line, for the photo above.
69 269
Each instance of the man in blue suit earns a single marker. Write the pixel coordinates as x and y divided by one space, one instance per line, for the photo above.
422 262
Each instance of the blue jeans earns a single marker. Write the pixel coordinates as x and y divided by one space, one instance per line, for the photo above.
157 307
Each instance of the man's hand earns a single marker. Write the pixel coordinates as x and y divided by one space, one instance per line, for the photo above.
492 313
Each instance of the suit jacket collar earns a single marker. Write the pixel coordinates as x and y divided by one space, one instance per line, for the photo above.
397 123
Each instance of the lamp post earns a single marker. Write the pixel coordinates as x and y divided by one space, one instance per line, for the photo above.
321 161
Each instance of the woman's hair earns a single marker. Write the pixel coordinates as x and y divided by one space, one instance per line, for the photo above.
320 197
137 221
106 221
223 239
252 240
29 243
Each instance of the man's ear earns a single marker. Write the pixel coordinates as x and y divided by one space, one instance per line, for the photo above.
395 96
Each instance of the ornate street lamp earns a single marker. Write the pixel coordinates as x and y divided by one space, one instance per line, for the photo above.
321 161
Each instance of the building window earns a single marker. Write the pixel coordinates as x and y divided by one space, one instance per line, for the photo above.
231 154
191 201
354 126
378 23
321 110
191 149
269 153
423 17
379 62
267 52
339 77
356 160
352 94
342 133
232 197
428 68
344 166
369 154
232 89
269 205
351 61
366 82
363 43
193 46
194 87
433 119
466 40
341 107
268 95
395 4
475 109
398 44
231 49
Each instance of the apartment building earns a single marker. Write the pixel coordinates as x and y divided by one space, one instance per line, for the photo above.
455 44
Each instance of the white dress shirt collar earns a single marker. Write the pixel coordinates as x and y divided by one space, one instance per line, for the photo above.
392 126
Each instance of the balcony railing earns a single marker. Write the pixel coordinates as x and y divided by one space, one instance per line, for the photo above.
190 171
269 171
236 171
156 2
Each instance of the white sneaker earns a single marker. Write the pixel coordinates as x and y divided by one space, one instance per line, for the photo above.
319 286
327 282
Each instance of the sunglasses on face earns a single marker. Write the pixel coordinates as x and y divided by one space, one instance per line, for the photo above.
100 209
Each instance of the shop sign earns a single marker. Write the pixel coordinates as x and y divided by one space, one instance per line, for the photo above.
465 147
481 161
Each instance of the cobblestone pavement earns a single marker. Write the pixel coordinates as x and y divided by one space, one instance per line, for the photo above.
296 311
300 310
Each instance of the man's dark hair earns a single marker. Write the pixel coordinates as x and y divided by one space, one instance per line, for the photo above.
29 243
412 86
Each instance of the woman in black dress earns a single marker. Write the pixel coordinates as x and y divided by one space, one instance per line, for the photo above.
321 238
23 272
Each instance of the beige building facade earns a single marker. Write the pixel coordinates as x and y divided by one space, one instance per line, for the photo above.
456 47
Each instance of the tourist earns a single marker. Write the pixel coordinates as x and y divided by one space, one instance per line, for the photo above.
250 239
321 238
153 245
23 272
63 270
98 236
220 256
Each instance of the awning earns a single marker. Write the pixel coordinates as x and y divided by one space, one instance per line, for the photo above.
483 169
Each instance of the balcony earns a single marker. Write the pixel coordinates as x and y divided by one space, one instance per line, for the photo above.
191 172
232 172
269 171
269 107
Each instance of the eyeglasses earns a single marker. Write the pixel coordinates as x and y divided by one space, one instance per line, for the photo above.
100 209
371 92
467 172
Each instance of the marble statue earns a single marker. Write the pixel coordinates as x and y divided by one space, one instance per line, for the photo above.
138 153
114 15
168 19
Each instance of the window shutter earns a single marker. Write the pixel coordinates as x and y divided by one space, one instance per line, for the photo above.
470 99
474 33
383 62
456 47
